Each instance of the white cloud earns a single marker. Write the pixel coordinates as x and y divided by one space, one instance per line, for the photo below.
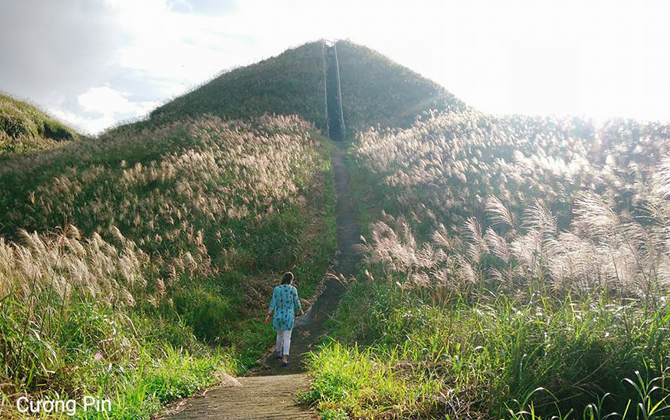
102 107
177 50
103 100
88 125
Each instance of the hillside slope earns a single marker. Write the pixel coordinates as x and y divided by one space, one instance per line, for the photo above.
507 261
376 91
24 127
139 249
288 84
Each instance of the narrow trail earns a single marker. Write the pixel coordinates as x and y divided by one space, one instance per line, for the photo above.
270 392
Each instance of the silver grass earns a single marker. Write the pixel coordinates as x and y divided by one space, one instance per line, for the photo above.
498 213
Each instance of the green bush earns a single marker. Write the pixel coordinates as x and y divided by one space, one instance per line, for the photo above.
208 312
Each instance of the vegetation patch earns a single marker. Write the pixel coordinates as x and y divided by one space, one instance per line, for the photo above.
25 128
515 268
288 84
136 266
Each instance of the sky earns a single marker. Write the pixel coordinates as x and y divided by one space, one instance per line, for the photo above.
94 63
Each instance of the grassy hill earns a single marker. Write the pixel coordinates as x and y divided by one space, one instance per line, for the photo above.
289 84
375 90
23 127
142 249
379 92
516 267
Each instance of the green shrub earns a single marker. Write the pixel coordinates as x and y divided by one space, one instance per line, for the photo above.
208 312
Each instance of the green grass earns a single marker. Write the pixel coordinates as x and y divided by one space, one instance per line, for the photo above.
143 363
25 128
492 358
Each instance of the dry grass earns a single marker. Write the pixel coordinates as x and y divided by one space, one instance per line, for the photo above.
140 247
556 206
517 268
190 189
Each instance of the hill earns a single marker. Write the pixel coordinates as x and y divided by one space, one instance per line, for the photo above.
23 127
375 90
289 84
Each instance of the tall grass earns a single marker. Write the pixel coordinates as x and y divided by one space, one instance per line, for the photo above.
123 259
488 358
448 164
516 267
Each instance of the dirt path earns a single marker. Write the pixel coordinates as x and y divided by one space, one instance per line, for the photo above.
270 392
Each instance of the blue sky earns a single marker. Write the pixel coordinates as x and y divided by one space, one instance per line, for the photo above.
94 63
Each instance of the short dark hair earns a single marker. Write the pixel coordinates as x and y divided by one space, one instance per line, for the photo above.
288 278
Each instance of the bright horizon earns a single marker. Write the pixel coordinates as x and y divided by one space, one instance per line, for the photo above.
93 64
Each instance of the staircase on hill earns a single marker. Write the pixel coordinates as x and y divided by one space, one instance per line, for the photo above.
334 114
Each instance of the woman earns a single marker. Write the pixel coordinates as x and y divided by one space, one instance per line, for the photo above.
284 304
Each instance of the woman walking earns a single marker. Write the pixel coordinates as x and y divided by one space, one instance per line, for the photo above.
284 304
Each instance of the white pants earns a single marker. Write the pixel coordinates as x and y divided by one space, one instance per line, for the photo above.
283 341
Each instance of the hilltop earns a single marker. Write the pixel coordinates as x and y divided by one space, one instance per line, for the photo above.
24 127
375 90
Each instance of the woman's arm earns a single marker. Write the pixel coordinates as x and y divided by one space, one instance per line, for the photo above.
273 306
296 301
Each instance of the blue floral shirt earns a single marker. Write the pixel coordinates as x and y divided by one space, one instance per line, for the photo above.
284 304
